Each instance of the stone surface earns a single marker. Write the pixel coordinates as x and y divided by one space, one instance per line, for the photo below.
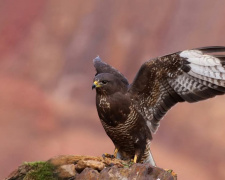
66 171
88 167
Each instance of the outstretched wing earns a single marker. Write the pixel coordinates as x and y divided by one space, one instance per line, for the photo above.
102 67
190 75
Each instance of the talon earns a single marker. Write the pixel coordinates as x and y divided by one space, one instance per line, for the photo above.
115 152
103 155
135 158
106 155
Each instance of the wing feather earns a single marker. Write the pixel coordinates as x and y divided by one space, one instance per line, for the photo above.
190 75
211 49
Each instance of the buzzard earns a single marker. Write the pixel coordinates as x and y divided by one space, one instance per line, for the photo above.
130 113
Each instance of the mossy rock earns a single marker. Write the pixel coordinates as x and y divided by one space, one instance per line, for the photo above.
39 171
70 167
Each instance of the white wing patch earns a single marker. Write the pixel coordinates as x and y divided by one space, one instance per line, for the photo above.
216 69
197 57
209 71
205 67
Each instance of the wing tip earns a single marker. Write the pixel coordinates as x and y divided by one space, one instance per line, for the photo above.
211 49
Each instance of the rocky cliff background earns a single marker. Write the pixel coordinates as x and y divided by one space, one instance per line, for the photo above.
47 107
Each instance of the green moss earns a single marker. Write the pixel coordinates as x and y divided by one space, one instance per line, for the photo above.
128 164
40 171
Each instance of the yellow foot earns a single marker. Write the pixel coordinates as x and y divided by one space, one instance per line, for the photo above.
106 155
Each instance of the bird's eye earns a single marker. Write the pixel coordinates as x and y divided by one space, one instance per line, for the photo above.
104 82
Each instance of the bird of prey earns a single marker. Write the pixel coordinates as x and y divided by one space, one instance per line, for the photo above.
130 113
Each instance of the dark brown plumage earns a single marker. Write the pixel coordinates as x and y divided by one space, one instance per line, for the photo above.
131 113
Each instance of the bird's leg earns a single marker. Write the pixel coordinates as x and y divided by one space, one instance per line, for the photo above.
110 155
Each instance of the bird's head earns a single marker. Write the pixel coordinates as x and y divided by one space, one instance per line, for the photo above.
106 83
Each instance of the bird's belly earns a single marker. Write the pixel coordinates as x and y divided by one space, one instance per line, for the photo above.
121 137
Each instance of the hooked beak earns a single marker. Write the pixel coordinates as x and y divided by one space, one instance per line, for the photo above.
95 85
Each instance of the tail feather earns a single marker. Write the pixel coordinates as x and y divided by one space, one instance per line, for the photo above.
147 157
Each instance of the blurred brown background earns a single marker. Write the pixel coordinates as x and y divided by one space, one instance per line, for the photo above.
47 106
